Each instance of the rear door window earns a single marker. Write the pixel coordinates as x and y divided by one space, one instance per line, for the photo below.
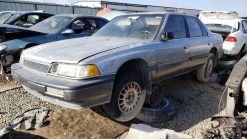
45 17
101 23
176 24
194 27
33 19
244 25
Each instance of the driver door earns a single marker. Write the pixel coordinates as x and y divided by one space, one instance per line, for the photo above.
173 54
81 27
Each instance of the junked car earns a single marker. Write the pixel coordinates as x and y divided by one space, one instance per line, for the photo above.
231 27
24 18
118 65
14 39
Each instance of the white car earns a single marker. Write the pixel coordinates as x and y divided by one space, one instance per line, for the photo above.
232 28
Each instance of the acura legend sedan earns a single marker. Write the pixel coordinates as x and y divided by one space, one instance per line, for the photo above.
118 65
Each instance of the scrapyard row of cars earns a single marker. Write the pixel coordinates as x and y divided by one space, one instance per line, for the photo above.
122 63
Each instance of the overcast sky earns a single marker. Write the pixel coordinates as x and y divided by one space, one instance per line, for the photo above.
239 6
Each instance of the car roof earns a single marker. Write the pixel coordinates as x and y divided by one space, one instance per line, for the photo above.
30 12
80 15
164 13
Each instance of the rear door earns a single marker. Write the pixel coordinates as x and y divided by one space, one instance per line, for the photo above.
244 26
199 40
173 54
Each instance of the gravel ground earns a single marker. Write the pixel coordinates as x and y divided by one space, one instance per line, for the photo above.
196 102
15 102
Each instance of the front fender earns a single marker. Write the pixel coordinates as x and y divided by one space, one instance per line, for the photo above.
109 62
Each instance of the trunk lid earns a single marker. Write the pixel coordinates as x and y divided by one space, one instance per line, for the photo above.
222 21
218 17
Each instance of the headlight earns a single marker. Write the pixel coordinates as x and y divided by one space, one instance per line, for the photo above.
3 46
77 71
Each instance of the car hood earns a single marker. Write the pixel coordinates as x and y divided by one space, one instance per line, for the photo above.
10 32
75 50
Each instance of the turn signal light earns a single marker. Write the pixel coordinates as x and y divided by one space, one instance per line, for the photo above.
231 39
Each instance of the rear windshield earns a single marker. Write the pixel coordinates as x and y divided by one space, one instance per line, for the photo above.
221 27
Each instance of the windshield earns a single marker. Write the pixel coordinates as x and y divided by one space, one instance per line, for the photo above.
52 24
144 27
8 17
221 27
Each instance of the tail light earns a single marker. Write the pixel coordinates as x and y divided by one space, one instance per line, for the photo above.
231 39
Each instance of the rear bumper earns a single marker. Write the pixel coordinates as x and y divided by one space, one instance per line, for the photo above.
231 48
77 94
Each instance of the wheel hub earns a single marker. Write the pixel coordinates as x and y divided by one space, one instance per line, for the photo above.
155 94
129 97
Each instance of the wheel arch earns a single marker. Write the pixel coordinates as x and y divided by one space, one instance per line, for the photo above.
214 51
243 47
138 66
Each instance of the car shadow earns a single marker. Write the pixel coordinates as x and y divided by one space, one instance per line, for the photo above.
195 102
24 135
101 111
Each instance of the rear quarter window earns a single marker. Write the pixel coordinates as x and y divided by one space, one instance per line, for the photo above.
204 31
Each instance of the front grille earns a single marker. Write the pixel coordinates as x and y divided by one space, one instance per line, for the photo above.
36 66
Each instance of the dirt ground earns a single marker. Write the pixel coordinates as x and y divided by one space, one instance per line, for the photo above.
78 124
94 123
7 85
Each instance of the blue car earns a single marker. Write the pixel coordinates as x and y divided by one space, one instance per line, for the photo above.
14 39
24 18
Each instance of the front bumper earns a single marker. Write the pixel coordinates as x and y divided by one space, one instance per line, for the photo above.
77 94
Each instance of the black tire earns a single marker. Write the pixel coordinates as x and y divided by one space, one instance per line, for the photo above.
164 113
238 56
128 98
202 74
156 97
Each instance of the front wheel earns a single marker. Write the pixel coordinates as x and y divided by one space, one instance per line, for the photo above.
127 98
205 72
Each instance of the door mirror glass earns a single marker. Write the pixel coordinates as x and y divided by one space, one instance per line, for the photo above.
167 35
68 31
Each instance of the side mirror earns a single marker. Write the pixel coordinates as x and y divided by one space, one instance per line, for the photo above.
68 31
167 35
